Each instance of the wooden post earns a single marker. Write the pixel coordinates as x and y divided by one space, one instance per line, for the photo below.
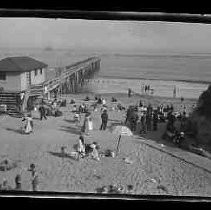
118 143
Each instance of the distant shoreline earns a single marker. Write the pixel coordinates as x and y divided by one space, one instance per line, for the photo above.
143 78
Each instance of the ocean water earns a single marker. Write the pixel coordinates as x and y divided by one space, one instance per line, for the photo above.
190 73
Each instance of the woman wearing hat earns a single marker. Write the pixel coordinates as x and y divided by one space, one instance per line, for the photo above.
28 128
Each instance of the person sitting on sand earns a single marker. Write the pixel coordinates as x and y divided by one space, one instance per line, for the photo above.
72 101
77 118
103 101
5 185
113 99
87 98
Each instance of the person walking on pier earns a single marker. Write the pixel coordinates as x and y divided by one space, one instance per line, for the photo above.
104 118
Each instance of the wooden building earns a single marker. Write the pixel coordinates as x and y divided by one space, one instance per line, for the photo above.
19 73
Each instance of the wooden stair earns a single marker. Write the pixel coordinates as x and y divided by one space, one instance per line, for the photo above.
10 100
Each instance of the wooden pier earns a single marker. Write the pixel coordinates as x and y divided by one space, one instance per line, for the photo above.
69 79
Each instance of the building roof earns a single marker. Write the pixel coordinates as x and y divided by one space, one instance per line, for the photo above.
20 64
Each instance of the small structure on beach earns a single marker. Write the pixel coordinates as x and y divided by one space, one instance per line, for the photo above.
23 79
19 73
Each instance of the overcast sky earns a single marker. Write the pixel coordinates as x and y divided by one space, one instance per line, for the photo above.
110 35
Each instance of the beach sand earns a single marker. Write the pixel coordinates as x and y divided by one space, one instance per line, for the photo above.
154 169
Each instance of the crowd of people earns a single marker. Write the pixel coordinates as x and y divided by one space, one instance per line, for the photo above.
139 118
4 186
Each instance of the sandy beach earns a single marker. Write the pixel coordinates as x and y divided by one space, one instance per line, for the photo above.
154 168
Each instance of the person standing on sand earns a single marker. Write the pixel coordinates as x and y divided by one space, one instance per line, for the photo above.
149 117
35 182
155 120
104 118
129 92
28 128
143 123
133 121
174 92
42 112
90 123
18 182
85 128
81 146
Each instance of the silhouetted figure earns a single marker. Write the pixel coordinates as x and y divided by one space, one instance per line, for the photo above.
104 118
155 120
18 182
145 88
143 123
129 92
140 103
174 92
42 111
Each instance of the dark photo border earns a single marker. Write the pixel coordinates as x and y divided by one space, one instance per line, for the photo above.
115 13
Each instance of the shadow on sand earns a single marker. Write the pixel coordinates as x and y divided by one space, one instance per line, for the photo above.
113 124
61 155
69 121
72 130
19 131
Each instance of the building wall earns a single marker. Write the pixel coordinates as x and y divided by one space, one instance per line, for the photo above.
24 84
39 78
12 82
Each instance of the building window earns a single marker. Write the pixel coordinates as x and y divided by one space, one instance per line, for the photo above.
40 71
2 75
36 71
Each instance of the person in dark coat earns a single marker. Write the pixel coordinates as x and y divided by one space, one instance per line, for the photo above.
155 120
18 182
42 111
140 103
104 118
149 117
129 92
128 114
133 121
143 124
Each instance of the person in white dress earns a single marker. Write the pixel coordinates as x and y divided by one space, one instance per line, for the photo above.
28 128
90 123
